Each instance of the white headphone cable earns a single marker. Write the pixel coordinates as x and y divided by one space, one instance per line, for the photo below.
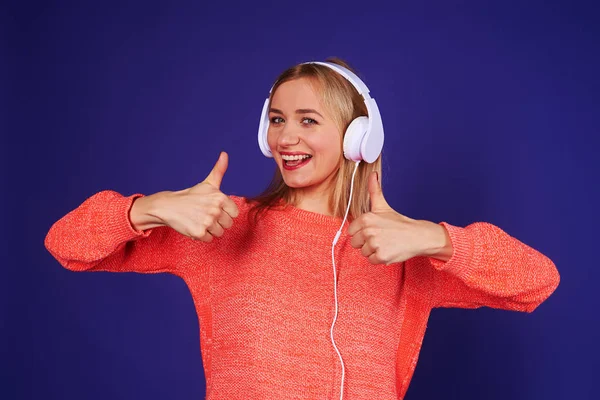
335 240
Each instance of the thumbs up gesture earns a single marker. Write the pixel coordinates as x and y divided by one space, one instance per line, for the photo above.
385 236
201 212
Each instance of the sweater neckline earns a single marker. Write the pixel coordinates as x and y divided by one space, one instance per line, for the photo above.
305 217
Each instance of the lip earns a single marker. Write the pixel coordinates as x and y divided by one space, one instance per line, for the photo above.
293 153
289 168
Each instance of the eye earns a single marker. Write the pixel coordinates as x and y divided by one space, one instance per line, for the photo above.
310 121
276 120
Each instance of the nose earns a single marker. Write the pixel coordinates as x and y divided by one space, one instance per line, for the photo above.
288 137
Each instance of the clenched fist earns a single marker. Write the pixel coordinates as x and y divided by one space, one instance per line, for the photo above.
386 236
201 212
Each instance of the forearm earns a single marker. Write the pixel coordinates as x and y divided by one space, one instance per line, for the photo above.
490 267
98 235
145 210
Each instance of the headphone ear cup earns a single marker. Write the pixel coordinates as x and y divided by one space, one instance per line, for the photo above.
353 138
263 128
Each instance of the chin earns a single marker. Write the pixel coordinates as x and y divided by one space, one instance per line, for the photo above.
296 185
299 179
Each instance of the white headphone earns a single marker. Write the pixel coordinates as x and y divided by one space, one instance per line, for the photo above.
363 140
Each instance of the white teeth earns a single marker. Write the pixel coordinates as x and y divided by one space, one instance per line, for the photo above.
297 157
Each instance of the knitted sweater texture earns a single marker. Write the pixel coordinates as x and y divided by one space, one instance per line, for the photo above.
265 303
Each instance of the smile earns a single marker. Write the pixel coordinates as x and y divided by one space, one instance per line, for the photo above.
295 162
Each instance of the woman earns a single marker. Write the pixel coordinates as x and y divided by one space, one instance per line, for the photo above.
260 270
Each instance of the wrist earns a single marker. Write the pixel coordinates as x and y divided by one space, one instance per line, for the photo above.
145 211
439 244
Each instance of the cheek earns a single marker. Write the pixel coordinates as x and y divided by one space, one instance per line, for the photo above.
330 150
272 143
271 139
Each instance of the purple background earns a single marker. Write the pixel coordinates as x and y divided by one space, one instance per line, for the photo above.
490 113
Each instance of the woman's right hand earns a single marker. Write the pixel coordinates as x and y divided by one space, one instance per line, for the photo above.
201 212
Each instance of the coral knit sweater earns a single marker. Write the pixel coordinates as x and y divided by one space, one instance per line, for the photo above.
265 302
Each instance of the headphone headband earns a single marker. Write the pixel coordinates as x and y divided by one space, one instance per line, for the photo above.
358 84
350 76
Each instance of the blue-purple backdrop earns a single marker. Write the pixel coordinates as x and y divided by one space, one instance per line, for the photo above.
490 111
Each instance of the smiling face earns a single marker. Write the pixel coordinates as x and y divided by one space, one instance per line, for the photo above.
299 125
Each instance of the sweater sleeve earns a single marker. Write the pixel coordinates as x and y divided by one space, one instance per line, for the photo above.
491 268
98 236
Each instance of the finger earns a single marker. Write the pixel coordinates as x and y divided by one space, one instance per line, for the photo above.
225 220
367 250
355 226
230 208
377 200
216 175
374 259
358 240
207 237
215 229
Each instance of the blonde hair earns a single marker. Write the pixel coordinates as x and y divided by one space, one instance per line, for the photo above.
344 103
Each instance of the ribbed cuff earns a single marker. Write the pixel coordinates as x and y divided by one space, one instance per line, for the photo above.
461 263
118 221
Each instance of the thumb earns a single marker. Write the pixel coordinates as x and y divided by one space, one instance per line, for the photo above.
216 175
376 194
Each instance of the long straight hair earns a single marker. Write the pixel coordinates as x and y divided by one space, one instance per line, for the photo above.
344 103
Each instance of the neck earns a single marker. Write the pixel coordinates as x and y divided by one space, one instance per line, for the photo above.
314 201
316 205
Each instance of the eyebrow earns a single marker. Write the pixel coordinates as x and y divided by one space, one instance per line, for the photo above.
298 111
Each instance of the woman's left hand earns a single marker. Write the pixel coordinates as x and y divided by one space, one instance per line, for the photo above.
385 236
